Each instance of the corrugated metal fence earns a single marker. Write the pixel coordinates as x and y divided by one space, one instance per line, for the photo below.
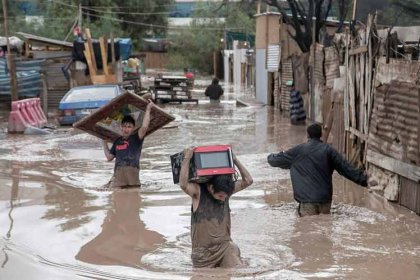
28 75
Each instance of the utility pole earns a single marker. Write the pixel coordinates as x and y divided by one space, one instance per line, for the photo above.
10 58
79 22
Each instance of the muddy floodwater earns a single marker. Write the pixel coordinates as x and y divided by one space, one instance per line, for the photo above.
55 224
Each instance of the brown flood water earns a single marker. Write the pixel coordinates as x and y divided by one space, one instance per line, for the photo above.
55 225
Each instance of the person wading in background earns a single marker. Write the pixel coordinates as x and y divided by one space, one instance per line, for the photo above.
214 91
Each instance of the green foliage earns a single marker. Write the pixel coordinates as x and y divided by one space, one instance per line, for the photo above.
101 16
153 24
193 47
401 13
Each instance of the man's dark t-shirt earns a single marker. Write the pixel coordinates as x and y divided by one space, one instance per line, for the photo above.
127 151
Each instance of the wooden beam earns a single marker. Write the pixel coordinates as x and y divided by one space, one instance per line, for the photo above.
44 94
356 132
346 89
418 126
406 170
92 69
91 50
330 119
357 50
104 56
352 91
114 64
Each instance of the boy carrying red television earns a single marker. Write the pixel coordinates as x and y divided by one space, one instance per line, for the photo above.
212 245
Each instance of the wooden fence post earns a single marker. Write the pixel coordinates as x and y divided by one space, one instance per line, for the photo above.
44 94
418 126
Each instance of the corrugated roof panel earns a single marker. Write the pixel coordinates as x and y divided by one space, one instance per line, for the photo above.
273 58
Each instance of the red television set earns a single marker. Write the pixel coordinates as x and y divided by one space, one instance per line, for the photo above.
207 161
213 160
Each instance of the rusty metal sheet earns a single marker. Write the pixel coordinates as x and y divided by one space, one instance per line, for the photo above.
273 57
394 129
397 69
319 63
100 122
286 74
331 66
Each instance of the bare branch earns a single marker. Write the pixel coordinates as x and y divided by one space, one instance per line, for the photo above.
328 9
224 3
301 18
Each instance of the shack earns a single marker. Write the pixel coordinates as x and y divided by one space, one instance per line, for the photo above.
57 56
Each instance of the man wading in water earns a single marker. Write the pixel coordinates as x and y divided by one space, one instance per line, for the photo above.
212 245
127 150
311 167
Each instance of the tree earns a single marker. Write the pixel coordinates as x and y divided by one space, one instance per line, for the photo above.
303 17
392 13
131 18
193 46
412 7
343 7
144 18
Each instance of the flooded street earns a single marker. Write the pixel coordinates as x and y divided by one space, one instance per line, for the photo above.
54 224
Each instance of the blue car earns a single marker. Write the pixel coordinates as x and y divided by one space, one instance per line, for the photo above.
82 101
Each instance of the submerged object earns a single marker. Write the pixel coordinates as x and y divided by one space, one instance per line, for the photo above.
32 130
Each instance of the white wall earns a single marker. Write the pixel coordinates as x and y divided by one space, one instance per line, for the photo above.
237 53
226 54
261 76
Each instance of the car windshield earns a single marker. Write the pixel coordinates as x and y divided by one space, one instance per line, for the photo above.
92 93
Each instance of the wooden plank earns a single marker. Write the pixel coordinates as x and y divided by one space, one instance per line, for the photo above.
406 170
103 56
352 92
329 120
114 64
346 89
359 134
358 50
92 69
358 94
369 58
362 92
418 126
103 79
91 50
44 94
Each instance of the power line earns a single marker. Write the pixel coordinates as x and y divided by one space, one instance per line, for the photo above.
130 7
142 23
95 9
160 26
65 4
143 13
35 18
